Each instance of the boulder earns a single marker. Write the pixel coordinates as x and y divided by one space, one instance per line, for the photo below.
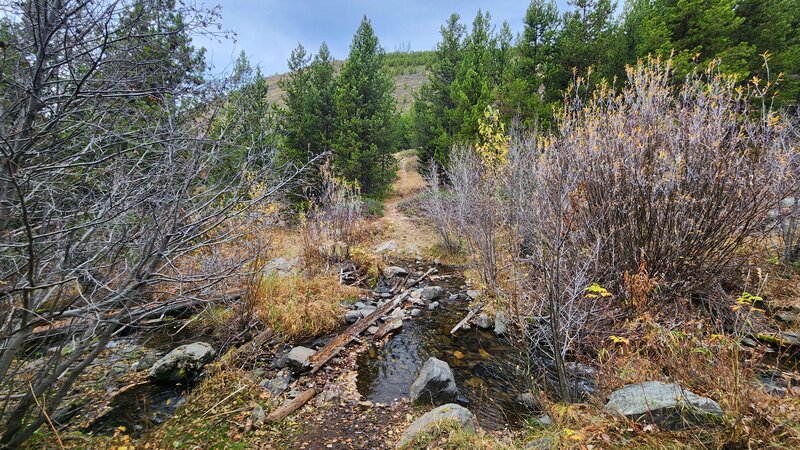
435 383
352 316
278 384
431 293
394 271
500 324
427 422
484 322
297 358
664 404
182 362
388 246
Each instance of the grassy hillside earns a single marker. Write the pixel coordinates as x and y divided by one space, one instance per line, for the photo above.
408 71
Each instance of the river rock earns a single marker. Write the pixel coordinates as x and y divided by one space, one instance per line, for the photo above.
484 322
431 293
473 294
359 305
388 246
257 415
435 383
282 267
433 305
182 362
427 422
144 362
500 324
394 271
664 404
366 311
415 312
352 316
452 297
372 330
297 358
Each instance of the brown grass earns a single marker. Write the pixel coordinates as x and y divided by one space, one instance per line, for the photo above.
302 307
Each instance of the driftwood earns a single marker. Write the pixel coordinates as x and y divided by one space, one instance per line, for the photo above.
292 405
332 348
467 318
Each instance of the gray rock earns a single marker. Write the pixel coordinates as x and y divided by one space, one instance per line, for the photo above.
453 297
433 305
144 362
415 312
484 322
352 316
182 362
429 420
541 443
431 293
359 305
529 400
366 311
788 317
664 404
257 415
435 383
278 384
473 294
543 421
297 358
500 324
388 246
282 267
394 271
372 330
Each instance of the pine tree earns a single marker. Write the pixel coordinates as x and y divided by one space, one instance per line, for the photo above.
434 121
363 145
584 40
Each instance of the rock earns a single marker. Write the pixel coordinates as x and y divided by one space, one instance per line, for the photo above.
787 202
366 311
386 295
415 312
388 246
257 415
359 305
394 271
389 327
277 385
372 330
473 294
788 317
500 324
182 362
484 322
529 400
144 362
781 339
431 293
435 383
541 443
282 267
297 358
427 422
352 316
543 421
433 305
664 404
452 297
327 396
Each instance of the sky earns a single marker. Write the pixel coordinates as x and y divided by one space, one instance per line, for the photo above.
268 30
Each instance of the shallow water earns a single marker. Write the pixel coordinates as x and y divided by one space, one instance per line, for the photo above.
483 364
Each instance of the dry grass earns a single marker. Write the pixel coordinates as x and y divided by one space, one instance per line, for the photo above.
301 307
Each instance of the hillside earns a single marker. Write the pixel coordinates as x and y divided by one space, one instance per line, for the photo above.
409 73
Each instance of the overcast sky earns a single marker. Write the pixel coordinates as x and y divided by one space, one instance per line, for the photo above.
268 30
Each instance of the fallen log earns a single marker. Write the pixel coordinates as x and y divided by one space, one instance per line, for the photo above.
332 348
389 326
467 318
292 405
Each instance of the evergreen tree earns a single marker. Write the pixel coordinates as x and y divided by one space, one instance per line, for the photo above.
308 115
363 145
584 40
433 117
529 89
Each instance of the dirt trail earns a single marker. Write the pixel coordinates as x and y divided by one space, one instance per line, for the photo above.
410 233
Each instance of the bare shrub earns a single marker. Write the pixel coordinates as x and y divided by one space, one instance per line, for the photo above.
331 227
110 181
438 207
